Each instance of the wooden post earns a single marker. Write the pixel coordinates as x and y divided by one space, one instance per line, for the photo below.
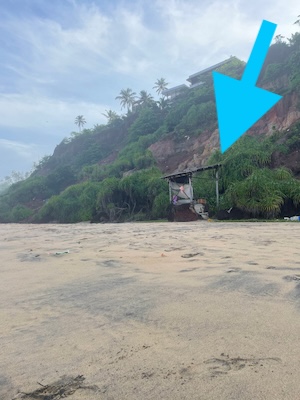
170 191
217 186
191 189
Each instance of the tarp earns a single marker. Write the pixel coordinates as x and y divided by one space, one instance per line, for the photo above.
181 193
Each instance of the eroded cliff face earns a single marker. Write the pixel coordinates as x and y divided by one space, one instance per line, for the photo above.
173 155
280 118
290 161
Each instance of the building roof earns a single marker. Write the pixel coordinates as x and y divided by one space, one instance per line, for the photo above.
190 172
174 89
190 78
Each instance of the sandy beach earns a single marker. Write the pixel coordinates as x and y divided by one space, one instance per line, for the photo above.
198 310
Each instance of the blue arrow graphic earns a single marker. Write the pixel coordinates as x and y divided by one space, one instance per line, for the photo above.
239 102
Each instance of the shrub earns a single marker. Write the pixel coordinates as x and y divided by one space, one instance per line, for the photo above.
20 213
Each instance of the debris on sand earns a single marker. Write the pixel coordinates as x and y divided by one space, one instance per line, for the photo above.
190 255
58 253
60 389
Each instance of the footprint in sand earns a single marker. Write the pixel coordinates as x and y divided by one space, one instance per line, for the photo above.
189 269
233 269
290 278
225 364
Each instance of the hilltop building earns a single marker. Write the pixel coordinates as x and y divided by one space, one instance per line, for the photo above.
174 91
194 80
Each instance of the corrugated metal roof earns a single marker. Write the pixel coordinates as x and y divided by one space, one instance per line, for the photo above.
191 171
173 89
210 68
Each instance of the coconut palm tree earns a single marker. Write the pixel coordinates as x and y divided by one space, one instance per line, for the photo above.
160 85
110 115
145 98
80 121
279 39
127 98
163 104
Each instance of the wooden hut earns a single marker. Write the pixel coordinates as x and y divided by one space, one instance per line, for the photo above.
183 206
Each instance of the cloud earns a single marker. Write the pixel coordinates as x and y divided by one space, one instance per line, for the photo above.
31 127
46 115
87 39
89 36
20 149
52 48
18 156
202 33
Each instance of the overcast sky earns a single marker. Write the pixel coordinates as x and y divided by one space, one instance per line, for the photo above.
63 58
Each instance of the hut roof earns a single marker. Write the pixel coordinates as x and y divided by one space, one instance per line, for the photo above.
191 171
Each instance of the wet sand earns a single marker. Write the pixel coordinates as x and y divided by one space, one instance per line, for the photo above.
198 310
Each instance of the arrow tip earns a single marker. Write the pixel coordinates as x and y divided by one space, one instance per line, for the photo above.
239 106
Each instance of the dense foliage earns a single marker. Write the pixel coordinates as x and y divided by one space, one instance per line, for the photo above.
247 180
141 195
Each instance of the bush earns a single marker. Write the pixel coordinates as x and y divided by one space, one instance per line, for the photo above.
74 204
25 191
264 192
160 206
20 213
148 122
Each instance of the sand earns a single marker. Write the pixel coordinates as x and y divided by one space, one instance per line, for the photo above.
198 310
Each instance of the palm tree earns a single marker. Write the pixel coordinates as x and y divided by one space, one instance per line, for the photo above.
127 98
279 39
80 121
145 98
160 85
110 115
163 103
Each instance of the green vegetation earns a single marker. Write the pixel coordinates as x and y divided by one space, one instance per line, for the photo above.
281 69
74 204
142 195
108 173
247 179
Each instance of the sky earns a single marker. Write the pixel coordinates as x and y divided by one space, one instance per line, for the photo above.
63 58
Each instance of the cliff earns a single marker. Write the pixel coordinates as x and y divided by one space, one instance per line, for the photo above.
171 154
